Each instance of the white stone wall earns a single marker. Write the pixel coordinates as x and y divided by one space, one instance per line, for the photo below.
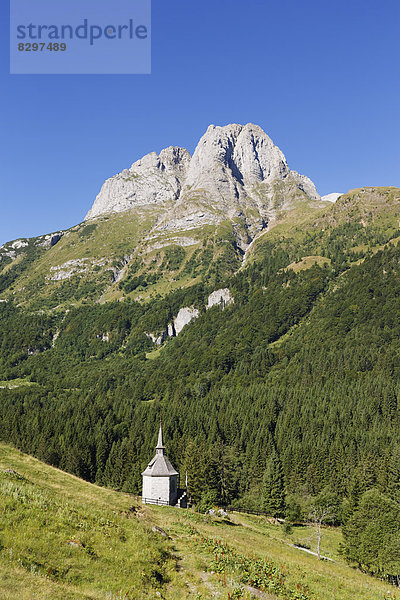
146 491
156 488
160 488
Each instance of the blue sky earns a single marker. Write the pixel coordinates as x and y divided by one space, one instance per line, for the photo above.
321 78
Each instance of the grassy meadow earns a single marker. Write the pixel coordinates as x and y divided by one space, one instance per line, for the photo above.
61 537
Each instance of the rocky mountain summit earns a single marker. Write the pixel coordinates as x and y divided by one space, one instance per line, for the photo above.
154 179
236 172
173 221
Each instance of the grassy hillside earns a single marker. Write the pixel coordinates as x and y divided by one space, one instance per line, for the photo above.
124 256
61 537
115 257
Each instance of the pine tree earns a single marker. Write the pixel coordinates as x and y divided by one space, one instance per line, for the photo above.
273 487
195 465
372 536
226 469
394 474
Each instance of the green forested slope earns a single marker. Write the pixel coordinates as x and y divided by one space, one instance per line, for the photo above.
305 364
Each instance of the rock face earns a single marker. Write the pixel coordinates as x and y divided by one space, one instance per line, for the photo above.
305 184
234 173
51 239
154 179
222 297
157 339
19 244
229 160
184 316
68 269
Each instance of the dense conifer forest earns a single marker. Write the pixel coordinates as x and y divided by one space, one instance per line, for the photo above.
285 401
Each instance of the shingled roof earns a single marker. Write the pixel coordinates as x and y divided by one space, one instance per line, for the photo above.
159 466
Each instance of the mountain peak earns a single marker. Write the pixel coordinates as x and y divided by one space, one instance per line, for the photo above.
245 150
233 173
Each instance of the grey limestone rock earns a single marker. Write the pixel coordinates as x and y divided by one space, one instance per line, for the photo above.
157 339
229 176
306 185
184 316
229 160
232 174
51 239
158 530
154 179
223 297
19 244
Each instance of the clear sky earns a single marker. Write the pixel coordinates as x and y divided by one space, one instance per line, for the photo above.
322 79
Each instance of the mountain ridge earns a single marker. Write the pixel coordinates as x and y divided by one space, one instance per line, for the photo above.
124 255
204 210
231 174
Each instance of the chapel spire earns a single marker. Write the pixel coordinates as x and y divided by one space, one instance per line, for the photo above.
160 446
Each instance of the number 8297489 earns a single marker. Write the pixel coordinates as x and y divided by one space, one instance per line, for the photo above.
42 46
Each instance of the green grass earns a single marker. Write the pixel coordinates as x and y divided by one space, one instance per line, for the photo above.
71 539
101 247
104 244
257 537
100 244
307 262
61 537
376 209
153 354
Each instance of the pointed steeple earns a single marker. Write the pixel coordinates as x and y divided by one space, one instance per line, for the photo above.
160 446
160 466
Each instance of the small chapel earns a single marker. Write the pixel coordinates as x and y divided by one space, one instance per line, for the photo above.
160 480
